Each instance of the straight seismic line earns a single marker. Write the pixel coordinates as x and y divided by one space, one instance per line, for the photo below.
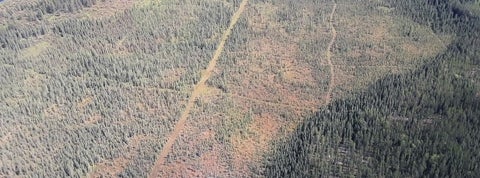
197 91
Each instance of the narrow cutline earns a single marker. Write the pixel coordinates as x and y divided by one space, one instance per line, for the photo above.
199 87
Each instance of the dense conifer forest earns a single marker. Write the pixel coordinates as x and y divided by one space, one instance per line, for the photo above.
239 88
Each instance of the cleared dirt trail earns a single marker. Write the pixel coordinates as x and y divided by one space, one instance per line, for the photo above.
199 88
328 96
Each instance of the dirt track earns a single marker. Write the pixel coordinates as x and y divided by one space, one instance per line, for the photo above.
197 91
328 96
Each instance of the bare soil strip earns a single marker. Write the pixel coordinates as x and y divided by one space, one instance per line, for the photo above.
328 96
199 88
